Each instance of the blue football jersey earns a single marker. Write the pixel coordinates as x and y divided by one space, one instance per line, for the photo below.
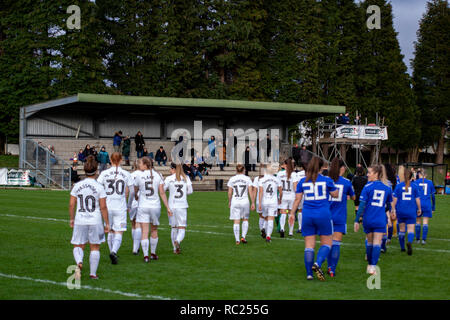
316 194
375 194
426 194
338 206
406 199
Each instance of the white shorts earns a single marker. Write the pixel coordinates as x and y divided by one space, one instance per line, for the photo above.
286 204
270 210
117 220
148 215
239 211
94 234
133 213
179 217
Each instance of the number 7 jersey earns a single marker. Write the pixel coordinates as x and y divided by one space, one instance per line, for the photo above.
178 191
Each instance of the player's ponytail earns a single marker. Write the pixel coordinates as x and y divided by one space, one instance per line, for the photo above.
289 167
90 166
335 169
407 176
146 161
116 157
312 172
179 172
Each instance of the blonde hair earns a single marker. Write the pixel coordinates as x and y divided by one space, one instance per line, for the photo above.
383 177
180 173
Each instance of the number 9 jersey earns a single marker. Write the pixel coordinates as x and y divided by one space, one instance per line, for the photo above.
376 195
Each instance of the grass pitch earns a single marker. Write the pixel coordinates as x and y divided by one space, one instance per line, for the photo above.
35 252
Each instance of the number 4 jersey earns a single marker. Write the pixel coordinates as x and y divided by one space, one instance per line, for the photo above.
115 180
178 191
88 193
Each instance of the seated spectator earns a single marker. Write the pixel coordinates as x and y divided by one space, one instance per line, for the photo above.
196 171
161 156
188 170
145 153
81 156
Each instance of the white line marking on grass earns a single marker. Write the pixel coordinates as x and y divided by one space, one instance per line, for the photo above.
64 284
227 234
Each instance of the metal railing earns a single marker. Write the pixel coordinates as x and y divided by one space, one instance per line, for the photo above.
47 168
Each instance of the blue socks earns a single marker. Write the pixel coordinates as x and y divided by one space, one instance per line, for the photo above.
410 237
383 243
390 232
309 260
333 256
401 240
425 232
369 250
417 231
322 254
375 254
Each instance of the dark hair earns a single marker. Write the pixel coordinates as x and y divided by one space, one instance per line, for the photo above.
360 171
390 174
240 168
335 169
408 175
289 167
313 169
90 166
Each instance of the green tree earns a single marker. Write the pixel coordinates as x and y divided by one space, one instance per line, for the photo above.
431 74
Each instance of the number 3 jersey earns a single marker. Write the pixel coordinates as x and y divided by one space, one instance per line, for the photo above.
375 194
88 193
148 183
240 184
178 191
115 183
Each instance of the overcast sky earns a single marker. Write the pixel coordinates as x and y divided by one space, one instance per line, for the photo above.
407 14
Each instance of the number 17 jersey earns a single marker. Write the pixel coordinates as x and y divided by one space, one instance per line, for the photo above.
240 184
178 191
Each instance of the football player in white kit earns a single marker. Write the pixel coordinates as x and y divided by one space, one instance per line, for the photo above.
268 197
90 199
117 183
289 181
147 185
255 198
238 187
300 174
179 186
136 233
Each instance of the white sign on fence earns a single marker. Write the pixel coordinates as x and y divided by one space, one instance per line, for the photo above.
362 132
18 178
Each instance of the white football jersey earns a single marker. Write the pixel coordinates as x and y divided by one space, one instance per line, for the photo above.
88 193
287 184
240 184
178 191
148 184
115 180
132 203
256 185
270 185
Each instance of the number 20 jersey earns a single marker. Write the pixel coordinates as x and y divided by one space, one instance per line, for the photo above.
375 194
115 184
88 193
148 184
178 191
316 194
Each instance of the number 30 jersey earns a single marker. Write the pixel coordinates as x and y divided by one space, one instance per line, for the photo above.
115 183
178 191
240 184
375 194
88 193
148 184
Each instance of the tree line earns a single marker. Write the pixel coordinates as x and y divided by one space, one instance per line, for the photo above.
300 51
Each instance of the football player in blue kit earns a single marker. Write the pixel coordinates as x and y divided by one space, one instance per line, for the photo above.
407 207
316 218
374 197
428 207
338 208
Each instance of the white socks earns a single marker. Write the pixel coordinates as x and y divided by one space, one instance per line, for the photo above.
236 231
153 244
291 229
117 242
266 225
94 259
173 236
261 223
110 240
78 255
180 236
269 228
144 244
282 221
299 217
244 228
137 234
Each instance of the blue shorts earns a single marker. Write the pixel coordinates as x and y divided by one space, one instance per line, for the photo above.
426 214
316 225
340 227
406 219
370 229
